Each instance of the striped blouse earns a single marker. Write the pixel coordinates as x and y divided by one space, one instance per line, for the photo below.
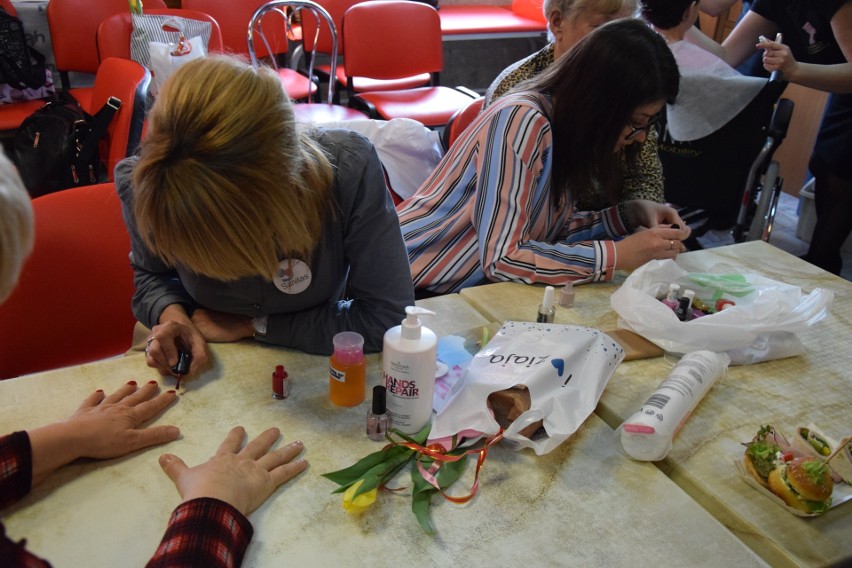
486 214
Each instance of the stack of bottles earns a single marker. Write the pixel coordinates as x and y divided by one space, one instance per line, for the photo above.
687 307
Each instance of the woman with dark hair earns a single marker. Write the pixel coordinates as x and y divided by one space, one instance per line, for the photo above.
501 205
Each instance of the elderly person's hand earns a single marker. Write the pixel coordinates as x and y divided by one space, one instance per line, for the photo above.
241 476
103 427
176 332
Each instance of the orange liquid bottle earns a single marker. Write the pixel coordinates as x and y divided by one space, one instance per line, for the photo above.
347 370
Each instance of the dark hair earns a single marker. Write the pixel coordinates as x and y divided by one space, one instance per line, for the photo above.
596 87
665 14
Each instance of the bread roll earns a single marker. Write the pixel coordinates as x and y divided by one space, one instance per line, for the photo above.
509 404
804 484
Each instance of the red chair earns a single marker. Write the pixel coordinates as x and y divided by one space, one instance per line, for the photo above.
72 302
336 9
459 121
234 17
128 81
73 30
391 39
304 112
113 36
13 114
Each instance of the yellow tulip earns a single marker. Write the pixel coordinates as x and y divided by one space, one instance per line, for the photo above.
360 502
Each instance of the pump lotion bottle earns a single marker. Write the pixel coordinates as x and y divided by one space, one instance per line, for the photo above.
408 370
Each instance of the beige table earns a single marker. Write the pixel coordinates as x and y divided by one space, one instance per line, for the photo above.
816 387
581 505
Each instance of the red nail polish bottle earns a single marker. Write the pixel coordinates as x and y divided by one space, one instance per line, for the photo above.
280 383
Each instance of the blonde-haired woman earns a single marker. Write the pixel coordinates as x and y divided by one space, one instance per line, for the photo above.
246 224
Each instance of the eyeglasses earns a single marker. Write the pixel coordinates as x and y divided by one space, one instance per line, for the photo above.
635 130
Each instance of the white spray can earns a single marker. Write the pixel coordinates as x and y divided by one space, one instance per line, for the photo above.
648 434
409 358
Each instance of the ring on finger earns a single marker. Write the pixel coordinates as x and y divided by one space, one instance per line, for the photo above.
148 343
671 245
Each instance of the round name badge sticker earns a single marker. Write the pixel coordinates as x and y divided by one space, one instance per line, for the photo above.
292 276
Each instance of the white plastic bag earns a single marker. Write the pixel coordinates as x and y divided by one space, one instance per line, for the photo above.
760 327
166 58
409 151
164 43
564 367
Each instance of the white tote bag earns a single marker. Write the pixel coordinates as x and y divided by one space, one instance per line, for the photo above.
564 367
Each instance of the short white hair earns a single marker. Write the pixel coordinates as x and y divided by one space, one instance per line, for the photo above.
16 226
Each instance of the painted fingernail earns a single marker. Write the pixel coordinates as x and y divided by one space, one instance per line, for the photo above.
171 390
131 383
152 382
100 391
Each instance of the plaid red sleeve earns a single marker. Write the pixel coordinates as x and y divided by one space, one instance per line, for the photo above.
16 476
16 467
204 532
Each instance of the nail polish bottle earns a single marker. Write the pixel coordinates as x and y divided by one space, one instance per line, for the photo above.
280 383
671 298
566 295
684 306
546 311
377 418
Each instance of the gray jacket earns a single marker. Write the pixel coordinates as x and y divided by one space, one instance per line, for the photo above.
360 254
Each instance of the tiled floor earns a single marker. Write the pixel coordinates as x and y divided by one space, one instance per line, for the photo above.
783 234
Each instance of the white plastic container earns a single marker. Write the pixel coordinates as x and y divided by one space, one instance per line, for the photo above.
409 359
648 434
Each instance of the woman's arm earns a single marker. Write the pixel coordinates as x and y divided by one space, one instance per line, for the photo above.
741 42
210 527
716 7
520 235
832 78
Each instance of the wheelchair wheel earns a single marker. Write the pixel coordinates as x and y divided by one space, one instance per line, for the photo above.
766 203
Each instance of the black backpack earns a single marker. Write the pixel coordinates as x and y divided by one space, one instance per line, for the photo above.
21 66
56 147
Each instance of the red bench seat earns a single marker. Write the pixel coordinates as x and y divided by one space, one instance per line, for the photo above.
462 22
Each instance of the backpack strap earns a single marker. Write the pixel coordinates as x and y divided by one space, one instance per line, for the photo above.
100 123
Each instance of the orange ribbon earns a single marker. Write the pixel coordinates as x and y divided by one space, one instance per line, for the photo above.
438 453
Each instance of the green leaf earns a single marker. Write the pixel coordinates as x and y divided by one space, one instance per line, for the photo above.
418 438
380 472
353 473
420 483
450 472
378 467
421 501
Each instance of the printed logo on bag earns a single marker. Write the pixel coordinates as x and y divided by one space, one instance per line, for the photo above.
292 276
515 359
